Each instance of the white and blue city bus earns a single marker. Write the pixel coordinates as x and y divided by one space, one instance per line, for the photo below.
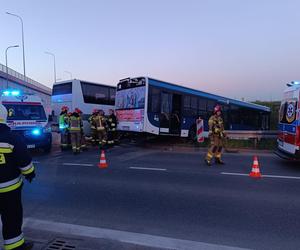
148 105
84 95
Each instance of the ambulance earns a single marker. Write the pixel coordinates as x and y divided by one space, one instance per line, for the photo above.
27 118
289 123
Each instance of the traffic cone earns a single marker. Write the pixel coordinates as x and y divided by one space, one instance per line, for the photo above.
102 163
255 172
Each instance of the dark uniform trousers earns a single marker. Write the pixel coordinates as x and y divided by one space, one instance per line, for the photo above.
11 211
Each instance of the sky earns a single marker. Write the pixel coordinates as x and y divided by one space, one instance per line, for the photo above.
236 48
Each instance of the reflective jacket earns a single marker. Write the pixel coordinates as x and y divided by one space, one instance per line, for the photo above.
92 121
112 122
15 160
63 121
216 125
100 122
75 124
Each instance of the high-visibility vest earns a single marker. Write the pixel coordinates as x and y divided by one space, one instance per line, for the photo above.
75 124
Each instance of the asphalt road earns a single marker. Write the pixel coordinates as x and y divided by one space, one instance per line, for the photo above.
172 194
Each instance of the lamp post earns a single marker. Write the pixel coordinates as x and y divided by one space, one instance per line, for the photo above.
68 72
51 54
20 18
9 47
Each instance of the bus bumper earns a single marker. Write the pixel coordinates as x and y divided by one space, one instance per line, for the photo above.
286 156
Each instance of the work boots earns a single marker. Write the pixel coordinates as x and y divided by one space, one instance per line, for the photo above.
208 163
219 161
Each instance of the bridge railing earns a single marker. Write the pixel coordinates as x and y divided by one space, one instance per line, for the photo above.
21 77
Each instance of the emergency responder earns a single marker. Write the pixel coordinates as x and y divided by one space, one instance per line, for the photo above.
15 161
216 136
92 121
100 121
75 125
63 127
82 136
111 128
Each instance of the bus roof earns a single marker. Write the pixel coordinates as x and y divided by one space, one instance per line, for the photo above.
72 80
219 99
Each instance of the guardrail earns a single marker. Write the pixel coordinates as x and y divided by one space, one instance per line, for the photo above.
19 76
245 135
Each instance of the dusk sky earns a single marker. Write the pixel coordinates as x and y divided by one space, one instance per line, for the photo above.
236 48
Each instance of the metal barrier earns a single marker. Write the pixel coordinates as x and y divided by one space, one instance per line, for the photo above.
21 77
245 135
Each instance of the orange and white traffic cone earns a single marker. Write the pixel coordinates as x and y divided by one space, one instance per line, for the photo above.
255 172
102 163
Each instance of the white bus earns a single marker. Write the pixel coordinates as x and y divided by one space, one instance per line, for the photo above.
148 105
84 95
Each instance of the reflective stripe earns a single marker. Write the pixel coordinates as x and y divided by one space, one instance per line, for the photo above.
6 148
16 242
10 185
28 169
30 165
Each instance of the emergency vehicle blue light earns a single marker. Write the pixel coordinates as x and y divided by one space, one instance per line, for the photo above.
36 132
6 93
15 93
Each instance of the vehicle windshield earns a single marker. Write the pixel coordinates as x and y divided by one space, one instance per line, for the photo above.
25 112
131 98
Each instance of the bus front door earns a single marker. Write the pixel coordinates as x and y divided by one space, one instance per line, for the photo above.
170 115
165 112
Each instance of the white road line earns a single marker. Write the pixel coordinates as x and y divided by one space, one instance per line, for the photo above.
122 236
154 169
266 175
78 164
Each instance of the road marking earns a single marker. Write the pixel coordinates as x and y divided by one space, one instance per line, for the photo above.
35 162
266 175
122 236
154 169
78 164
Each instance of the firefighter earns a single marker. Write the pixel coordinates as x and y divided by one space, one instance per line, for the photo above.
100 121
75 125
216 136
112 128
92 121
15 161
63 127
82 136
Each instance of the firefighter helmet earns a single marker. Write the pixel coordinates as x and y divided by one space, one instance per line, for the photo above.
95 111
3 114
78 111
217 109
64 108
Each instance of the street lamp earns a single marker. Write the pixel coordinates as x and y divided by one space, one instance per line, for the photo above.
51 54
68 72
9 47
20 18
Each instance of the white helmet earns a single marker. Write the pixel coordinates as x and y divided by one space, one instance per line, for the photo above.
3 114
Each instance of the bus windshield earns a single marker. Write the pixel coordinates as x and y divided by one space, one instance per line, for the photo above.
131 94
25 112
